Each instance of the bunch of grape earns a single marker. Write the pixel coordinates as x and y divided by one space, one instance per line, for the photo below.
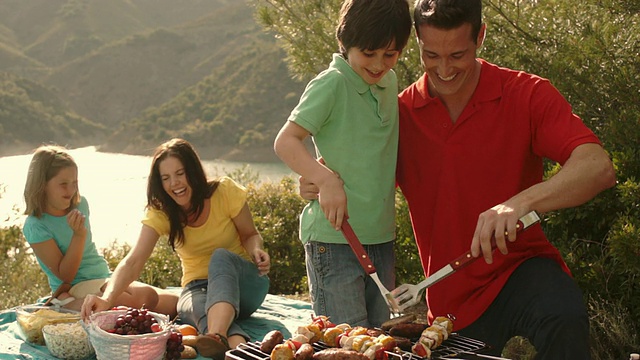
174 345
135 322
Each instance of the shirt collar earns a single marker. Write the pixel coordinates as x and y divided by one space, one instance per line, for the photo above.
489 87
340 63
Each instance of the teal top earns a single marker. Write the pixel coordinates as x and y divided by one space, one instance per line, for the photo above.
37 230
354 127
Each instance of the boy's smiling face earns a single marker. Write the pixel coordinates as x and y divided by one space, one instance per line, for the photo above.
372 65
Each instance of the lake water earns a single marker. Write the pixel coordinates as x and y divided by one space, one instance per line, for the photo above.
114 185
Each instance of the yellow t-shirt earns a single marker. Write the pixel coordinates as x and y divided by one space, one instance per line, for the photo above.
218 231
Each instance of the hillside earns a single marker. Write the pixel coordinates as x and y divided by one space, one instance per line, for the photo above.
124 63
32 114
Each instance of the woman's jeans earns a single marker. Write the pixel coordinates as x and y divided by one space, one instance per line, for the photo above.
233 280
341 289
542 303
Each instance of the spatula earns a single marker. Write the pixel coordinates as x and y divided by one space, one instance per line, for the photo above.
407 295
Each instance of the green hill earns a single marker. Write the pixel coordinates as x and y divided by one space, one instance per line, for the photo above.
31 114
148 69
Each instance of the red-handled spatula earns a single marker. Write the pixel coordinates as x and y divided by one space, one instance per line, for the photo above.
366 263
407 295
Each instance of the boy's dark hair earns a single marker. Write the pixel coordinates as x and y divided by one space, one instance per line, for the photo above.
373 24
448 14
201 187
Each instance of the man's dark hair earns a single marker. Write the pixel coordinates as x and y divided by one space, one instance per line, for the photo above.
448 14
373 24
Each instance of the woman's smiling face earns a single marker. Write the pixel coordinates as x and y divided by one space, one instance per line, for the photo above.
175 182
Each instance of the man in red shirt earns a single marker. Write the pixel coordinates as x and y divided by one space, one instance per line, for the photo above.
470 163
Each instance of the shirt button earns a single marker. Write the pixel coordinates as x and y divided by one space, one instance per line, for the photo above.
444 125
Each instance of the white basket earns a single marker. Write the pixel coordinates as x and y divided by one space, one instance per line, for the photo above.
109 346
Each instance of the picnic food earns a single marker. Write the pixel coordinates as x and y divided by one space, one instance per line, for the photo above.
433 336
270 341
338 354
67 341
135 322
32 319
188 353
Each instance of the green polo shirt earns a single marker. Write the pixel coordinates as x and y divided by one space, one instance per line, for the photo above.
354 127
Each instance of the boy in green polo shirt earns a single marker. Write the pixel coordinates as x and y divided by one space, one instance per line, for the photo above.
351 112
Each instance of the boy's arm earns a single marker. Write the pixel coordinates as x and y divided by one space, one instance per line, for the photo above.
290 148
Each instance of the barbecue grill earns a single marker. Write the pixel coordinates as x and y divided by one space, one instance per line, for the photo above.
453 346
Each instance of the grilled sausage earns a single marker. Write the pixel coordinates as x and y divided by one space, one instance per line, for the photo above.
404 319
304 353
409 330
338 354
271 339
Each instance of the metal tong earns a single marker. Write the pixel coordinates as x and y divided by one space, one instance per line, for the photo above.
366 263
407 295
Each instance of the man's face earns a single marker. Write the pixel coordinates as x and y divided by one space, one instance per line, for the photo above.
449 58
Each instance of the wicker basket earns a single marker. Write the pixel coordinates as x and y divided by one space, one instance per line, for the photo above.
110 346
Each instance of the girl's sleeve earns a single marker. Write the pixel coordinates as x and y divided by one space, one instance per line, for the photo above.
35 232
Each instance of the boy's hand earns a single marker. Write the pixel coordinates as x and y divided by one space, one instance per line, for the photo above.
333 200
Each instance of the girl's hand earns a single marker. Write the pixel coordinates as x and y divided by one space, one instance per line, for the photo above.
262 260
75 219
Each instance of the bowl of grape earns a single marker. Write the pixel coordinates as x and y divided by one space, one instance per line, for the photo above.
130 333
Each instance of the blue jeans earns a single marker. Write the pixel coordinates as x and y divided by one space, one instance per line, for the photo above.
341 289
232 279
542 303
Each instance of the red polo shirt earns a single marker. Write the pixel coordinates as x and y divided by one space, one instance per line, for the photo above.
450 173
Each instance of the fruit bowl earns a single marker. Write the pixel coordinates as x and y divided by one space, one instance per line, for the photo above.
68 341
32 318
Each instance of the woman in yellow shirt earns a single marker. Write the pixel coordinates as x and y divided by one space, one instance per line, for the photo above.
210 227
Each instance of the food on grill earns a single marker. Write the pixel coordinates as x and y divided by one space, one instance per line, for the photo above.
408 330
403 343
404 319
305 352
338 354
271 339
284 351
433 336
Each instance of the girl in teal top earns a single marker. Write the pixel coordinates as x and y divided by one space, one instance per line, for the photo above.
58 230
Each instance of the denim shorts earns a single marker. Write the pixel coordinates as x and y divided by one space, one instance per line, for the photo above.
232 279
341 289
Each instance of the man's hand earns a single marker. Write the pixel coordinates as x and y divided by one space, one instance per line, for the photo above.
308 190
500 223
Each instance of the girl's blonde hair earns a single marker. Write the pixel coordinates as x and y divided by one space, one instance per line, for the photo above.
46 163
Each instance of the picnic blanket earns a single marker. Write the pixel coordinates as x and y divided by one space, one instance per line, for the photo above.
276 313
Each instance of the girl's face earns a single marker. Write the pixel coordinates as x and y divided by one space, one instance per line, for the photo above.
174 181
372 65
60 190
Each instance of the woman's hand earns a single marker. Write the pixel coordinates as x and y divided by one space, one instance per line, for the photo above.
262 260
92 304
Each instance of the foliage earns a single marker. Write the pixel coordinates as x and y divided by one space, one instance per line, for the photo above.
275 208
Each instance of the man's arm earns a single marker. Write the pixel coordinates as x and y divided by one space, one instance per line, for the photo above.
586 173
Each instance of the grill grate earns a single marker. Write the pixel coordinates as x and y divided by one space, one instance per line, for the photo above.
456 344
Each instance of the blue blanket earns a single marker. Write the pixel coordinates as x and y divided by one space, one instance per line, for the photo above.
276 313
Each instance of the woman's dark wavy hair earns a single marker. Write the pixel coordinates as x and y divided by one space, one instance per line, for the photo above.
201 188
